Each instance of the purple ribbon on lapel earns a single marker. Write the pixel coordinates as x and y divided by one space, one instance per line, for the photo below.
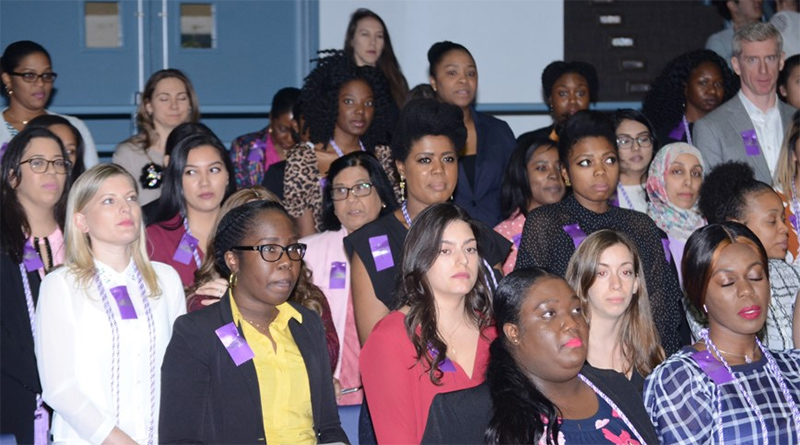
750 140
381 252
338 275
30 258
678 132
257 151
183 254
716 370
446 365
575 232
124 303
516 239
235 344
667 252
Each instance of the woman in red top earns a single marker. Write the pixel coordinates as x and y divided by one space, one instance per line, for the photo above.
438 340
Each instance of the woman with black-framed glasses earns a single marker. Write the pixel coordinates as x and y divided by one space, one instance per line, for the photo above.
637 144
357 192
28 78
254 367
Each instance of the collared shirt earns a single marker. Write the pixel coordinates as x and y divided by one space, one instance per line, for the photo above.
74 353
769 130
282 378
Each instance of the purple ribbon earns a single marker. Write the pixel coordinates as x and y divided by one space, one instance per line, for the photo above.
235 344
716 370
41 425
575 232
256 152
446 365
667 252
516 239
678 132
124 303
614 201
750 140
30 258
338 275
184 252
381 252
3 150
793 220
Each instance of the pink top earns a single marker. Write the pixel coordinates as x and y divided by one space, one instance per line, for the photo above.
325 249
511 229
57 248
399 389
162 244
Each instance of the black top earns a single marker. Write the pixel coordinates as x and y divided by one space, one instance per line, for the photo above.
545 243
19 377
206 398
273 178
529 137
494 249
461 417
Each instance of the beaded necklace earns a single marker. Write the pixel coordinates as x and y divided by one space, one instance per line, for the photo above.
194 248
773 367
686 128
621 191
115 345
795 208
340 152
613 407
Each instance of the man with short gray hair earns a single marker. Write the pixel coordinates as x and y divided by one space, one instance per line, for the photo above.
750 126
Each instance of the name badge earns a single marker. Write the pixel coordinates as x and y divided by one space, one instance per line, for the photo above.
678 132
235 344
714 369
184 252
30 258
338 275
751 143
124 303
575 232
381 252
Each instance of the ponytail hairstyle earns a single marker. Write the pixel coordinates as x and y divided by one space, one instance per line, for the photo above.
522 413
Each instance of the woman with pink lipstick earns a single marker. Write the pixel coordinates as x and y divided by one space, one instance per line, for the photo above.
198 177
728 387
438 339
35 176
27 75
589 164
539 387
532 179
367 42
345 109
168 100
730 192
252 368
567 87
690 86
606 272
482 160
636 143
104 320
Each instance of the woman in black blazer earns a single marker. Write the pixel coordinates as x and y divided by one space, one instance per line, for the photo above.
211 389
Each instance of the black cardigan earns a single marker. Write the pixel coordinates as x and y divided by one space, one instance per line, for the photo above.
461 417
206 398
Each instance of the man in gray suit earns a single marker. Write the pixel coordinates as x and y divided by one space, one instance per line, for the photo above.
750 126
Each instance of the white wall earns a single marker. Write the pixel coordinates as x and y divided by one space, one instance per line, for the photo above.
512 40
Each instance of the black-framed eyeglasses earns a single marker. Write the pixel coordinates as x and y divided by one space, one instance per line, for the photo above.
358 190
40 165
273 252
33 77
626 142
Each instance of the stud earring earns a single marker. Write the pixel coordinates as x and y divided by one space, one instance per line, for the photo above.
567 183
705 309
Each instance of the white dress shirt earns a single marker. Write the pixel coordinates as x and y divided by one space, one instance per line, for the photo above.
769 130
73 351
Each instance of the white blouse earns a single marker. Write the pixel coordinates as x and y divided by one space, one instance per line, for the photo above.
74 349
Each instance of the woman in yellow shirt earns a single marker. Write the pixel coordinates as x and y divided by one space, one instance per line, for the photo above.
254 367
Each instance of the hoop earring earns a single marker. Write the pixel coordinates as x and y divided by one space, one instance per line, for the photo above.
232 280
402 188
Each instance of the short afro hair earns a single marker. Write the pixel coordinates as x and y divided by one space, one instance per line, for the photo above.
723 195
427 117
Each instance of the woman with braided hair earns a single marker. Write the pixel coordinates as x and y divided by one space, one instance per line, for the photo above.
690 86
345 108
252 368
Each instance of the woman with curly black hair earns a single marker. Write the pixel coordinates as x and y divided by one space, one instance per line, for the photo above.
690 86
346 108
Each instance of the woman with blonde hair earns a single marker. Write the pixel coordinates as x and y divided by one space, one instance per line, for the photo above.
786 177
606 273
103 322
168 100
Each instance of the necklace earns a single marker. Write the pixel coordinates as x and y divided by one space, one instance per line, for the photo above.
450 337
339 151
686 128
747 358
613 407
9 118
621 190
260 327
404 209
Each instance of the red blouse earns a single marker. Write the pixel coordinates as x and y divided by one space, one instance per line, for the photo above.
398 388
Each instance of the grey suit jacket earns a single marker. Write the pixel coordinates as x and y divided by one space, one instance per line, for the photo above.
718 136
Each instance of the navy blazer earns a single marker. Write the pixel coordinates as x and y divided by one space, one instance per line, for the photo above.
494 146
206 398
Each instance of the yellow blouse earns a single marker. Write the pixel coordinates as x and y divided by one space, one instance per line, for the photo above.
282 379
